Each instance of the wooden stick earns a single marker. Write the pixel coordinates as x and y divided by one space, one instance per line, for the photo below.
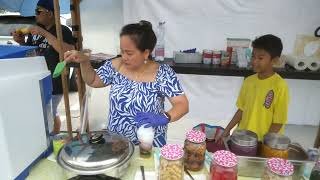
76 31
64 74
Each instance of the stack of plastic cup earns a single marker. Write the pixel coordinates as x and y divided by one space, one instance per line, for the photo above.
145 136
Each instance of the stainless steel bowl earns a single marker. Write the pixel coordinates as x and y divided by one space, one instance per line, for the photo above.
276 141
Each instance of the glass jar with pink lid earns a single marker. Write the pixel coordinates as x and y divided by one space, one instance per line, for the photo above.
171 162
195 149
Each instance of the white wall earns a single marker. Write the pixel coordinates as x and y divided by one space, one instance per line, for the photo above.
201 24
304 102
101 22
207 23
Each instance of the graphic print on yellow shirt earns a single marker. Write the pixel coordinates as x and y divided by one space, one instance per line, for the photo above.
262 103
269 99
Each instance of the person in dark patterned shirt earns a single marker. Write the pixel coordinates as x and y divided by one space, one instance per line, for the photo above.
44 35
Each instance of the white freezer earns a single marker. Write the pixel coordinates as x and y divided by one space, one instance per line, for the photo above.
25 110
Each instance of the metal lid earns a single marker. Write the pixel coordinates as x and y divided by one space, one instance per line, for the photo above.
103 152
276 141
244 138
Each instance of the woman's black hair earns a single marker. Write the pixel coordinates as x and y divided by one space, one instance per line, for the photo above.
141 34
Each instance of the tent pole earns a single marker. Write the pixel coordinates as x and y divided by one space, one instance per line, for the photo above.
76 31
64 74
317 141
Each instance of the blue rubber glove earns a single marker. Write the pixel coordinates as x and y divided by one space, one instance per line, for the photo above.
151 119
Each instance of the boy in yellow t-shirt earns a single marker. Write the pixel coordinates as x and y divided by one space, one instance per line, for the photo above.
263 99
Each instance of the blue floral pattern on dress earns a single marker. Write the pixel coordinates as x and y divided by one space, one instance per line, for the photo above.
128 97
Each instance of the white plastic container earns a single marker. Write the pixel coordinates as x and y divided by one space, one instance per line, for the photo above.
145 136
181 57
159 49
233 44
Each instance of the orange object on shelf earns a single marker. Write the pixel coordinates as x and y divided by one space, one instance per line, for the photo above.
269 152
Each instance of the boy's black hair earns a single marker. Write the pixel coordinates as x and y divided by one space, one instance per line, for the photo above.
270 43
141 34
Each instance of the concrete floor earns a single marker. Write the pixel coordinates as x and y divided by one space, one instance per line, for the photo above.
304 135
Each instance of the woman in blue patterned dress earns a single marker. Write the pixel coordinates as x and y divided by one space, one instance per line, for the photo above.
139 85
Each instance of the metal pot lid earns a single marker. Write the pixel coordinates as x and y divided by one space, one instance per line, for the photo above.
244 138
100 153
276 141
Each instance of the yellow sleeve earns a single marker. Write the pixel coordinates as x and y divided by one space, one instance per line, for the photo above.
241 97
280 115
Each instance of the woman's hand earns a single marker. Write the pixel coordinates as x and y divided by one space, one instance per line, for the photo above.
75 56
151 119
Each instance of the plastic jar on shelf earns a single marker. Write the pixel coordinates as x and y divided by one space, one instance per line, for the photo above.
195 149
171 162
224 166
278 169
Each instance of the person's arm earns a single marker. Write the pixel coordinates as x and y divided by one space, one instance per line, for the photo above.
52 40
238 115
89 75
180 107
275 128
235 120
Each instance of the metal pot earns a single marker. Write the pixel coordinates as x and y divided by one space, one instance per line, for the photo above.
244 138
276 141
101 152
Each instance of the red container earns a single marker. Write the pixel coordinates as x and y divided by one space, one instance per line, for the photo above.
216 57
207 56
229 52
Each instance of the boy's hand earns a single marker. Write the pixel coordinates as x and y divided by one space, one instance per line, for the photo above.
223 136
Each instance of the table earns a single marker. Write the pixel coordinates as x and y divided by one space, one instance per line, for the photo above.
50 170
